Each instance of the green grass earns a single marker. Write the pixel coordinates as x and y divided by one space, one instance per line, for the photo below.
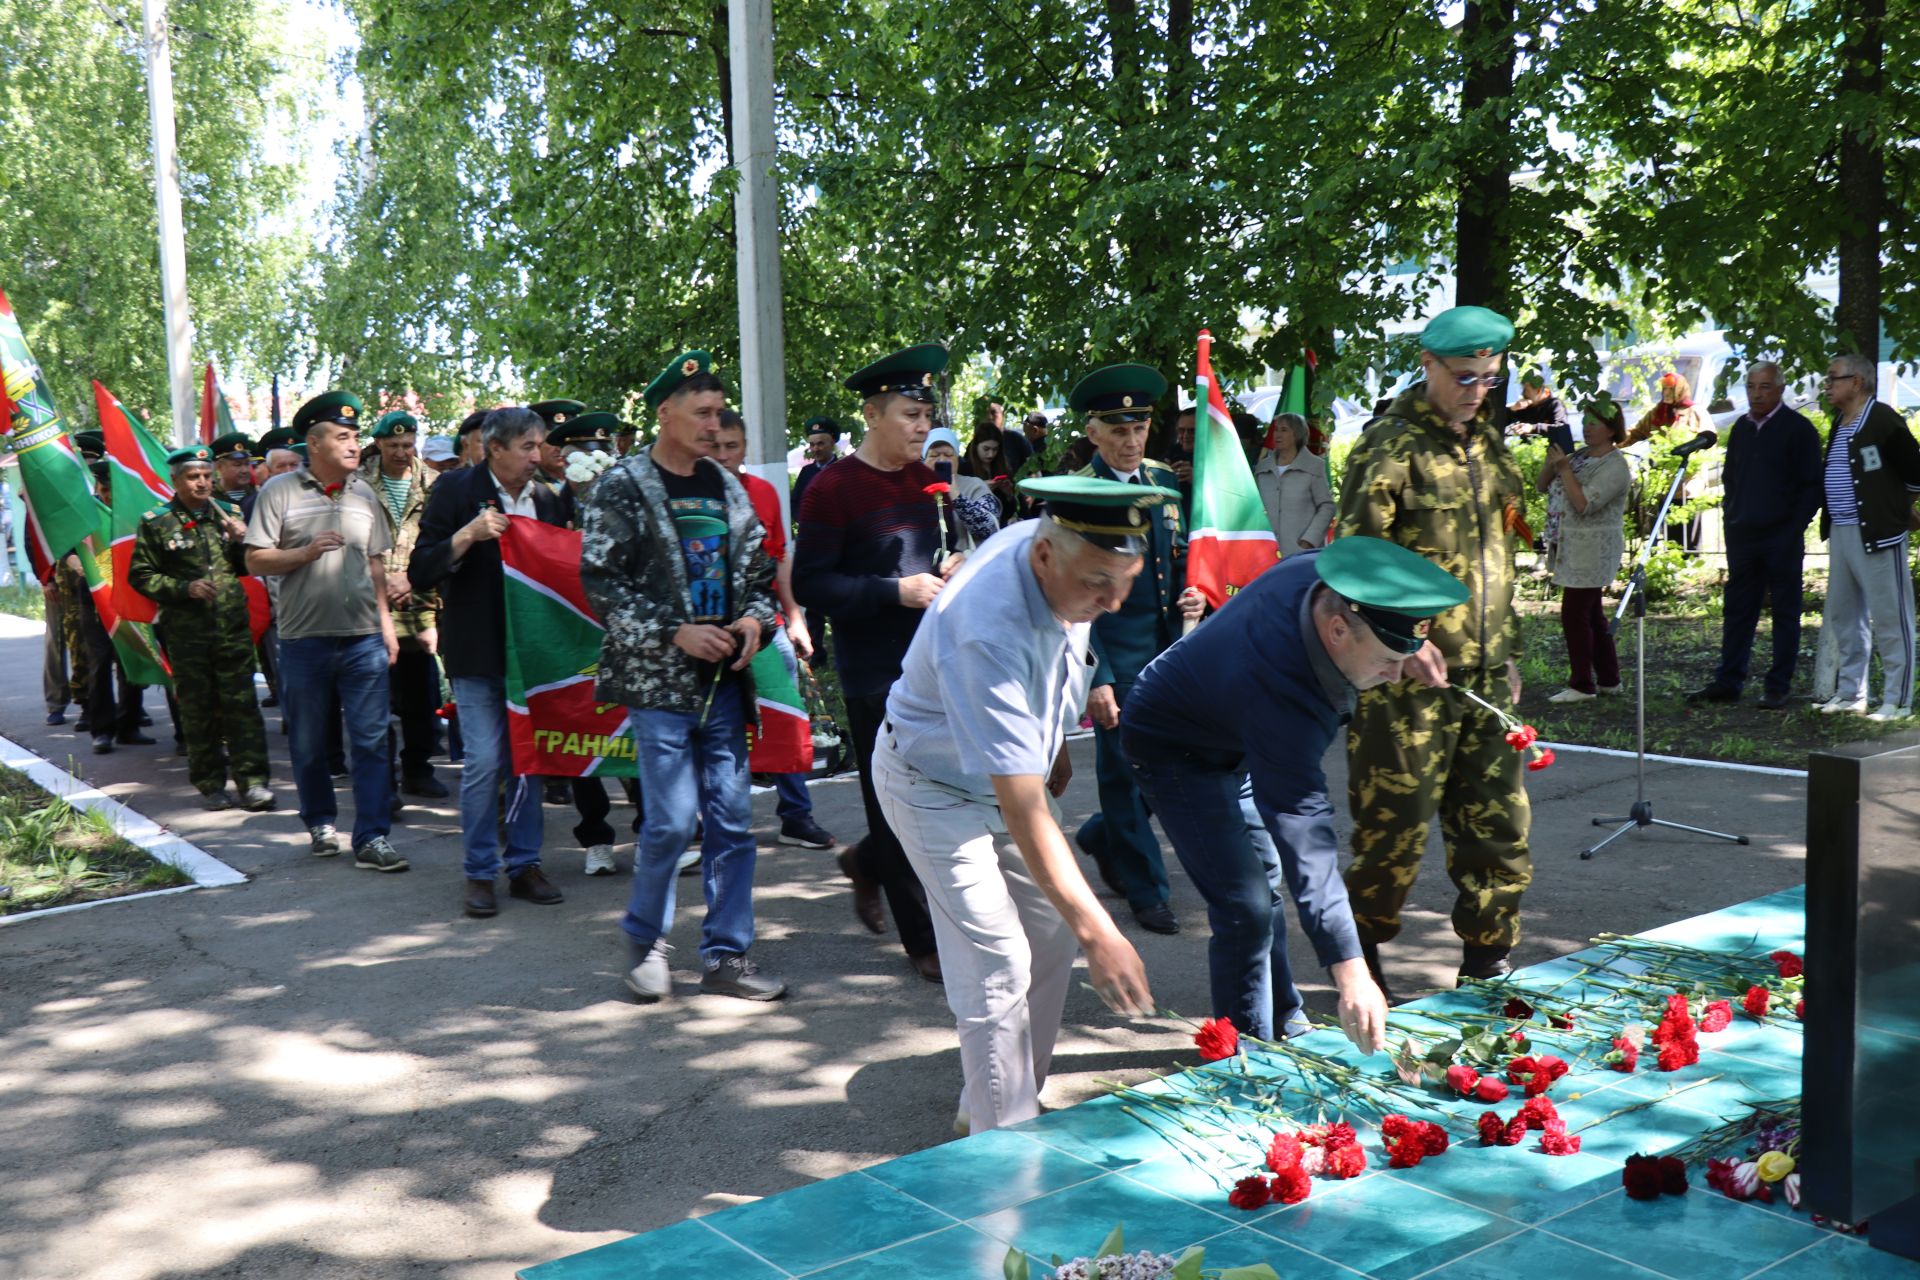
23 600
52 854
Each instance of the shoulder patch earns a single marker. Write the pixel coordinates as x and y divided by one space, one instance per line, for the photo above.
154 514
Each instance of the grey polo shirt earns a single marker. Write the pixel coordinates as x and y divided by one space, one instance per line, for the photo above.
334 595
992 681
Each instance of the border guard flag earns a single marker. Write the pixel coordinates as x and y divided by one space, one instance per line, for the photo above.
1229 542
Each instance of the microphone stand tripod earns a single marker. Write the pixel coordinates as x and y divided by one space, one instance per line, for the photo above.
1641 815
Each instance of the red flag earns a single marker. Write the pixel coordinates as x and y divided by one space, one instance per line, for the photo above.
207 393
137 488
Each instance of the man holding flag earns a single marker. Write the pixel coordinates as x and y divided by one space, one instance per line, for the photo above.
1433 475
189 557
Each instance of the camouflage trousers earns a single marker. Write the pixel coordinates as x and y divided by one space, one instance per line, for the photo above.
219 715
1414 751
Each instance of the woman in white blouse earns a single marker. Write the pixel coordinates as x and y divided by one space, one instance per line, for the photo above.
1293 488
1586 507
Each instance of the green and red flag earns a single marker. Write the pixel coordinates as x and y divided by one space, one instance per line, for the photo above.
52 476
1229 542
139 651
216 419
138 463
556 725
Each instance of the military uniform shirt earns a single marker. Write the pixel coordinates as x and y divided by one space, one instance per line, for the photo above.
993 680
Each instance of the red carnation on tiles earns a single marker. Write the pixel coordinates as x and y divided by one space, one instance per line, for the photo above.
1789 964
1641 1178
1517 1008
1349 1161
1433 1139
1283 1153
1718 1016
1756 1001
1492 1129
1673 1175
1290 1186
1217 1039
1536 1112
1250 1193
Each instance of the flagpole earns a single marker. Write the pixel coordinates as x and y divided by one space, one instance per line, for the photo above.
756 217
166 188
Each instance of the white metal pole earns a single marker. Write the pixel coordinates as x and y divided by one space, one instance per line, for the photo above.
173 248
756 221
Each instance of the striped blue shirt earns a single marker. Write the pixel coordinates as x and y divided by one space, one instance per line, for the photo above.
1842 508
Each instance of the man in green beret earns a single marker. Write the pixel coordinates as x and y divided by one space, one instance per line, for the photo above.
1118 403
404 482
1433 475
189 558
1225 734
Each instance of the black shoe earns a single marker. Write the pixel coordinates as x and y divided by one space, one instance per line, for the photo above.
133 738
1773 701
430 787
338 769
146 721
56 717
806 833
215 801
81 726
1484 962
534 887
1714 693
1370 952
102 744
1158 918
269 701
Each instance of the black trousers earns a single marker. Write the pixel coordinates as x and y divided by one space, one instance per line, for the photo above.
879 854
1759 566
106 712
416 696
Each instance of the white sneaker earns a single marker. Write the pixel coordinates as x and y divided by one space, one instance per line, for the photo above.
1837 705
650 979
600 860
1572 695
1889 712
688 861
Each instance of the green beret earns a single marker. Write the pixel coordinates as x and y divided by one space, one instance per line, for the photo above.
688 364
815 425
394 423
909 373
278 438
91 444
1108 513
556 412
1395 591
587 431
1467 331
342 407
1124 390
299 447
193 455
232 444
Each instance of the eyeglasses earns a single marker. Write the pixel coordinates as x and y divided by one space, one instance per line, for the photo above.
1465 380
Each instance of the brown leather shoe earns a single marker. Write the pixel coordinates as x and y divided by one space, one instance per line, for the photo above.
534 887
480 900
867 904
927 966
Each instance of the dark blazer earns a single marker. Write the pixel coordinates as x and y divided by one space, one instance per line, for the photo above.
473 625
1772 477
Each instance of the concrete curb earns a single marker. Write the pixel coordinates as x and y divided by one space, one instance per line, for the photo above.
207 871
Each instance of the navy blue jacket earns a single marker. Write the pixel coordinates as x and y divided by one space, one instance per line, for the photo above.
1773 477
1252 688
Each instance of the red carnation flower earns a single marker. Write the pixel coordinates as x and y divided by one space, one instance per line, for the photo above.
1517 1008
1491 1089
1492 1129
937 488
1625 1055
1673 1175
1340 1135
1756 1001
1678 1009
1216 1040
1678 1054
1564 1021
1396 1127
1641 1178
1405 1153
1250 1193
1800 1010
1462 1078
1717 1016
1516 1132
1559 1144
1433 1139
1284 1153
1519 1070
1291 1186
1522 738
1349 1161
1536 1112
1542 761
1790 965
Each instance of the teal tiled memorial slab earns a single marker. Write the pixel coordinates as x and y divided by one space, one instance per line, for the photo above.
1059 1183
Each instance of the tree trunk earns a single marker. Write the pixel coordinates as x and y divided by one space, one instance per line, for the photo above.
722 39
1482 260
1863 179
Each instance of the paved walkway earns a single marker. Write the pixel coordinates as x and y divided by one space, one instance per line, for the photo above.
331 1073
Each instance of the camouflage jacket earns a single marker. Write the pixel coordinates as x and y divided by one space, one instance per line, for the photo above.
1413 480
172 549
635 576
421 612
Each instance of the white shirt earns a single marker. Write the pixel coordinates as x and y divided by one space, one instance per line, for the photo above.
512 506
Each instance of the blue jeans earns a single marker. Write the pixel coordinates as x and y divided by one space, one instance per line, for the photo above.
314 671
482 701
791 787
686 770
1206 808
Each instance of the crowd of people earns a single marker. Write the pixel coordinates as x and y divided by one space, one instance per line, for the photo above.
977 601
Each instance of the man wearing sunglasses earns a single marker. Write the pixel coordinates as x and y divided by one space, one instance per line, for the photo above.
1432 474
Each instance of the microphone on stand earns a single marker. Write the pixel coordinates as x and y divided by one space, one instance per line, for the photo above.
1705 440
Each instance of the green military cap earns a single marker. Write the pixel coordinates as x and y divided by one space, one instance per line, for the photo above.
688 364
299 447
1395 591
278 438
1108 513
588 431
232 444
1118 393
91 444
818 424
393 423
342 407
1467 331
193 455
909 373
556 412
